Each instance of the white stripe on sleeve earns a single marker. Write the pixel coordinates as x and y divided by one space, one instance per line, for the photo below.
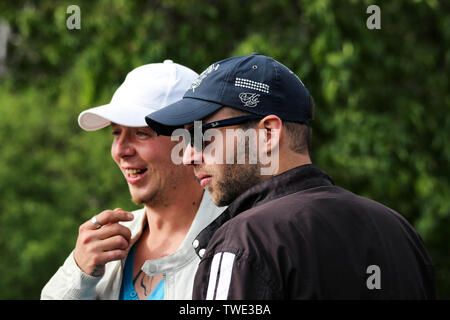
226 269
213 276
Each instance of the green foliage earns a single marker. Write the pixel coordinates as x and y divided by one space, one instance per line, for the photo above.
381 126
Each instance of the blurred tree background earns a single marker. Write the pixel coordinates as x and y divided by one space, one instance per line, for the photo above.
381 128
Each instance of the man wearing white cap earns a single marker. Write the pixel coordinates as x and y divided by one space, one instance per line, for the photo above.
148 253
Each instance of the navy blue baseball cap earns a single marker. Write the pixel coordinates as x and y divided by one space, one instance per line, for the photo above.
256 84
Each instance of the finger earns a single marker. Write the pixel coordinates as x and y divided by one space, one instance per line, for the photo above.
113 243
113 255
104 257
93 251
112 230
110 216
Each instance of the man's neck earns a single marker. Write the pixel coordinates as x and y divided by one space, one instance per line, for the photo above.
170 220
289 161
173 216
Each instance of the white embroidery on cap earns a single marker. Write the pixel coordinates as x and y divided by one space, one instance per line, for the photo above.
250 84
249 99
203 75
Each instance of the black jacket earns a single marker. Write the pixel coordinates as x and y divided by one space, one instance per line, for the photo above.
297 236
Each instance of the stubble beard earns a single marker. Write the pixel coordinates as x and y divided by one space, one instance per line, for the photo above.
235 179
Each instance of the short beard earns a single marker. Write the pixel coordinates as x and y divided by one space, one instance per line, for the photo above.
237 179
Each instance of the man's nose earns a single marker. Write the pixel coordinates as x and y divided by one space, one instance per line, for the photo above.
125 148
192 156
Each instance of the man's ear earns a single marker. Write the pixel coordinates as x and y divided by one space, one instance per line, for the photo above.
272 126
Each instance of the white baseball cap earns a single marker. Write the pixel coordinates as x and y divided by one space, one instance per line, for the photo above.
146 89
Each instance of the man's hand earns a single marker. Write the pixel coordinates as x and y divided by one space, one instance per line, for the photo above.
97 246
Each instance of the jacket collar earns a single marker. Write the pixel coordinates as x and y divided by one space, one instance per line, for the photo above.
291 181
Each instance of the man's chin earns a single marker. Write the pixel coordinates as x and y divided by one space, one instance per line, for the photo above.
219 199
137 200
218 202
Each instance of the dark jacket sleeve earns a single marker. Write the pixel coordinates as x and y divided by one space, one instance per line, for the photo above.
231 275
235 266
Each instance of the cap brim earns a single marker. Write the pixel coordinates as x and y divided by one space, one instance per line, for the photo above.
182 112
102 116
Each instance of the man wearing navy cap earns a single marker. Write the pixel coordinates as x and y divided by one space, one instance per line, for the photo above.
289 233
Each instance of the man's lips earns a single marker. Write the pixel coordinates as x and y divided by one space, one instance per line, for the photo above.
204 179
133 174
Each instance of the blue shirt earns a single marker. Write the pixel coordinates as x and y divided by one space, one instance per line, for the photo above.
127 291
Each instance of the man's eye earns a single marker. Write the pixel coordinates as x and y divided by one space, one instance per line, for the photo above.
115 132
143 134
